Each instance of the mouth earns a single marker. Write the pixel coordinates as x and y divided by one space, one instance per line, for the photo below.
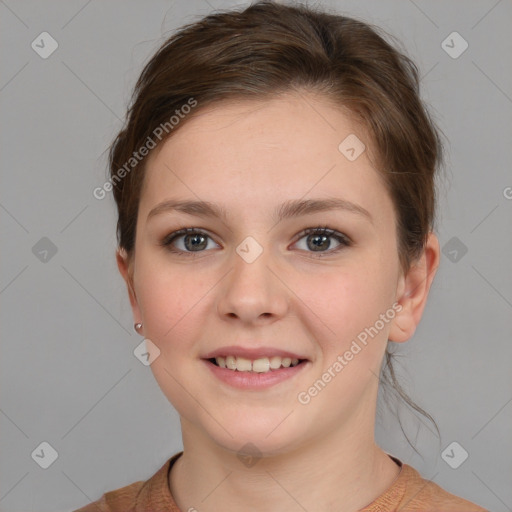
255 375
260 365
248 378
257 367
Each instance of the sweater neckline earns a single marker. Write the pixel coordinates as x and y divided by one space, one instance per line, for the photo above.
159 492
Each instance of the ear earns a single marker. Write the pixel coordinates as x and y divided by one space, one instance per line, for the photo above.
125 265
412 291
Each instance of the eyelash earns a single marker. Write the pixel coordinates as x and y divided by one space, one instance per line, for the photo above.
324 230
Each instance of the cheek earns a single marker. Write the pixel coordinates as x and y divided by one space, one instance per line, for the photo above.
174 302
345 300
350 303
166 295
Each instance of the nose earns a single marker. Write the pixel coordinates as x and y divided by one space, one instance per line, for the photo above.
253 292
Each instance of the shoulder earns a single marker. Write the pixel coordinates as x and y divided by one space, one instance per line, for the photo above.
139 496
422 494
119 500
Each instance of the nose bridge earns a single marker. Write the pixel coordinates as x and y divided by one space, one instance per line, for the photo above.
251 289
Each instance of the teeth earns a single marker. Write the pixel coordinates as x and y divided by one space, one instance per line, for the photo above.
262 365
243 365
275 362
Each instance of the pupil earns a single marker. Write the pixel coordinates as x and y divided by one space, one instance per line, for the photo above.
316 238
195 240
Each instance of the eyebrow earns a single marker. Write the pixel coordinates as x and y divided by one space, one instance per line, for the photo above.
288 209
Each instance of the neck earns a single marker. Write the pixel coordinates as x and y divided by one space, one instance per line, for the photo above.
343 472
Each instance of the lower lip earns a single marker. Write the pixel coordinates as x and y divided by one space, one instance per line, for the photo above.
253 380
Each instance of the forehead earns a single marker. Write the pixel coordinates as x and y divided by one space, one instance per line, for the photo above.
305 122
263 150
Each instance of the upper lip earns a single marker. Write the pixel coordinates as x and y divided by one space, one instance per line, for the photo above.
251 353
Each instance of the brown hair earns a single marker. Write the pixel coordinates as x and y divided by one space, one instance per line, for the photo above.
268 49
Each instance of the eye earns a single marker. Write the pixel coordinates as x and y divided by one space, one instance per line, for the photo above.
318 239
189 240
192 240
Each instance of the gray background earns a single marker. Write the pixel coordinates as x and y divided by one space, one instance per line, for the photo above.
68 373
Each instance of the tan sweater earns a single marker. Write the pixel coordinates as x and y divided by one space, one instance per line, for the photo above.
409 492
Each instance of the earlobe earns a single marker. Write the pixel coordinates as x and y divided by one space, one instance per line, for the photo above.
412 292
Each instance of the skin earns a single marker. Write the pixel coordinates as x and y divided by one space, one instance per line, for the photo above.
249 157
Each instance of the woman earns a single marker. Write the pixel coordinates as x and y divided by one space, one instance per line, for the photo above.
275 191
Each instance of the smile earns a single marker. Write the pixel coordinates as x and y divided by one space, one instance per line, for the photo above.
248 378
260 365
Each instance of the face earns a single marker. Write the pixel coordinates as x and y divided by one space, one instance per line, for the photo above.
265 283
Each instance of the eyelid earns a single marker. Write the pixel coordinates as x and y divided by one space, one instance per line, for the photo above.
342 238
324 230
166 241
